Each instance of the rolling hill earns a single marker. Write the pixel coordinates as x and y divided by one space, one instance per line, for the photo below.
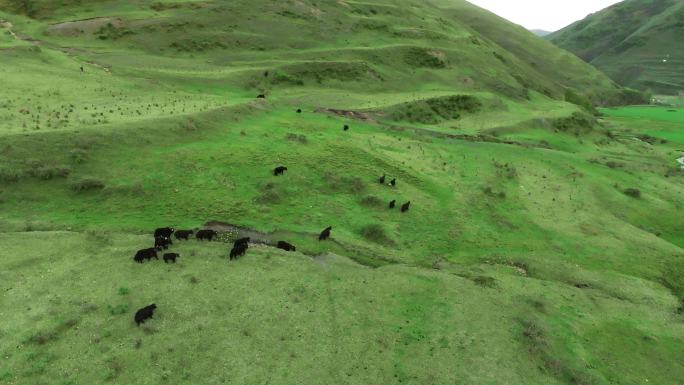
543 244
636 42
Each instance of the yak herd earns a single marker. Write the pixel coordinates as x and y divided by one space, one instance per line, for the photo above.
162 239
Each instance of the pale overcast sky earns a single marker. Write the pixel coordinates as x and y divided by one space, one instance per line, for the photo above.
550 15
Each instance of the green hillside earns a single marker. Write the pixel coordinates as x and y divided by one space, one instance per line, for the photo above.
636 42
543 245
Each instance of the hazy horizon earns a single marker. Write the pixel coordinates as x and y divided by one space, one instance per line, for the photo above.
548 15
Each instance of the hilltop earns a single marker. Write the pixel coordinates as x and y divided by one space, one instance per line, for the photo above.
636 42
540 32
543 244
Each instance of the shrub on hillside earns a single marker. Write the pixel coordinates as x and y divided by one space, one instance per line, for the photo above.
421 57
50 172
431 111
576 123
270 194
573 97
9 174
376 233
633 192
297 138
352 185
372 201
87 184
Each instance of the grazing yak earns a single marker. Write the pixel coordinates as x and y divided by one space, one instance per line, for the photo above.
238 250
206 234
393 204
325 234
346 127
393 182
183 234
171 257
164 232
382 179
143 254
405 207
143 314
261 96
286 246
280 170
162 243
299 110
242 241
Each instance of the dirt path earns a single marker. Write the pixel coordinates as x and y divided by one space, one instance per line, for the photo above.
7 26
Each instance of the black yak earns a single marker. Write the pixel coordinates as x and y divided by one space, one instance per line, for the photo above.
206 234
145 254
144 313
280 170
393 204
162 243
164 232
183 234
286 246
238 250
170 257
325 234
241 241
405 207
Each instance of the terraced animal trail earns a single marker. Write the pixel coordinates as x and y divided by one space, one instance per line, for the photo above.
543 244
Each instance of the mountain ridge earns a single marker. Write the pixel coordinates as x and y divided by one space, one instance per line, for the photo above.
636 42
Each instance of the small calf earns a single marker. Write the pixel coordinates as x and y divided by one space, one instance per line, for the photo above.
170 257
145 313
325 234
286 246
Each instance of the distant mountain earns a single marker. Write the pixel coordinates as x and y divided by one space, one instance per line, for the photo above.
540 32
638 43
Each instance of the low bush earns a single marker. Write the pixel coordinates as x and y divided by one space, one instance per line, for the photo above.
633 192
87 184
376 233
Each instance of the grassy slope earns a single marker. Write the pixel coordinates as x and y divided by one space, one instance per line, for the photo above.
476 284
629 42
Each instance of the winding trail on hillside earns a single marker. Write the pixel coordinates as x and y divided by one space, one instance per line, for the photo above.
371 118
71 52
229 232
